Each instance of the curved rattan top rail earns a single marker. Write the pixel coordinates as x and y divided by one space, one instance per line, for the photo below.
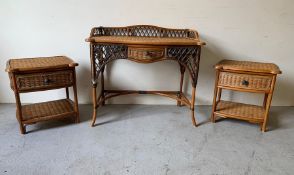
27 64
144 34
250 66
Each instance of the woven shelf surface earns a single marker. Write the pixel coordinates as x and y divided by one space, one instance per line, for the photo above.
240 110
145 40
23 64
47 109
248 66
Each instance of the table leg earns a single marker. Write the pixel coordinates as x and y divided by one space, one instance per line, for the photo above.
94 105
76 99
265 100
216 92
193 106
182 69
219 94
102 87
18 107
268 104
19 114
67 93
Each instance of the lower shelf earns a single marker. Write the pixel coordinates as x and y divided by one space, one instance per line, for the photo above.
242 111
47 110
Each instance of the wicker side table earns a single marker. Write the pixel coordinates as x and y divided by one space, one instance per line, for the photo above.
244 76
40 74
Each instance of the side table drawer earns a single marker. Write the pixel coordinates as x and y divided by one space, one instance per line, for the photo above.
44 80
245 81
148 53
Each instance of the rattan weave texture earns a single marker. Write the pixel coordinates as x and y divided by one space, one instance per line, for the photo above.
44 80
248 66
257 82
240 110
24 64
47 109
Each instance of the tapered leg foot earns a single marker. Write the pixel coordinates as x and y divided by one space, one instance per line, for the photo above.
263 127
22 129
212 117
179 103
94 117
193 118
77 119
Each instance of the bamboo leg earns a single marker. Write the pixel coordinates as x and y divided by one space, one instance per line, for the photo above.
216 92
182 69
268 104
19 114
102 87
219 94
76 99
265 100
193 106
94 106
67 93
18 107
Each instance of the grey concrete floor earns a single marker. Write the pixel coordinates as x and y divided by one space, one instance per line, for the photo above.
142 139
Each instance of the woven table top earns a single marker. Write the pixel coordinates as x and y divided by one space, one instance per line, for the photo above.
26 64
248 66
145 40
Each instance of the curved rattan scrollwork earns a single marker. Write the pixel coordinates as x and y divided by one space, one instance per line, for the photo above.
144 31
188 56
105 53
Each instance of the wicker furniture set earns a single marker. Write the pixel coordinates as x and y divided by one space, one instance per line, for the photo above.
142 44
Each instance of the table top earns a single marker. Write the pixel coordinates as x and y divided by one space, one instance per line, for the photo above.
248 66
145 40
28 64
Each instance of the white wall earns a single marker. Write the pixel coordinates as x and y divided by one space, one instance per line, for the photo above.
259 30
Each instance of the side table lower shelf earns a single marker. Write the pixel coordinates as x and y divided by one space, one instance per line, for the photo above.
33 113
251 113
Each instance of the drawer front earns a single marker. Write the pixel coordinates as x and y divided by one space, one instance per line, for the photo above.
245 81
146 53
44 80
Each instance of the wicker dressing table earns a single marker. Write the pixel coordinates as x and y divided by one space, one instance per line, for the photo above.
244 76
39 74
144 44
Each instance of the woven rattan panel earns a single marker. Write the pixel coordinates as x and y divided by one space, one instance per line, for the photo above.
47 109
257 82
143 31
240 110
248 66
44 80
41 62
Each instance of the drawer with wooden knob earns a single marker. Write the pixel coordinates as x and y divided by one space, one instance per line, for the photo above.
245 81
146 53
47 80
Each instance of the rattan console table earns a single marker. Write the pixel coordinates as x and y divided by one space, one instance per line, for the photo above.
144 44
39 74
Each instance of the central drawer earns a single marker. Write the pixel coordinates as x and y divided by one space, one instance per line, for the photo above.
245 81
45 80
146 53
